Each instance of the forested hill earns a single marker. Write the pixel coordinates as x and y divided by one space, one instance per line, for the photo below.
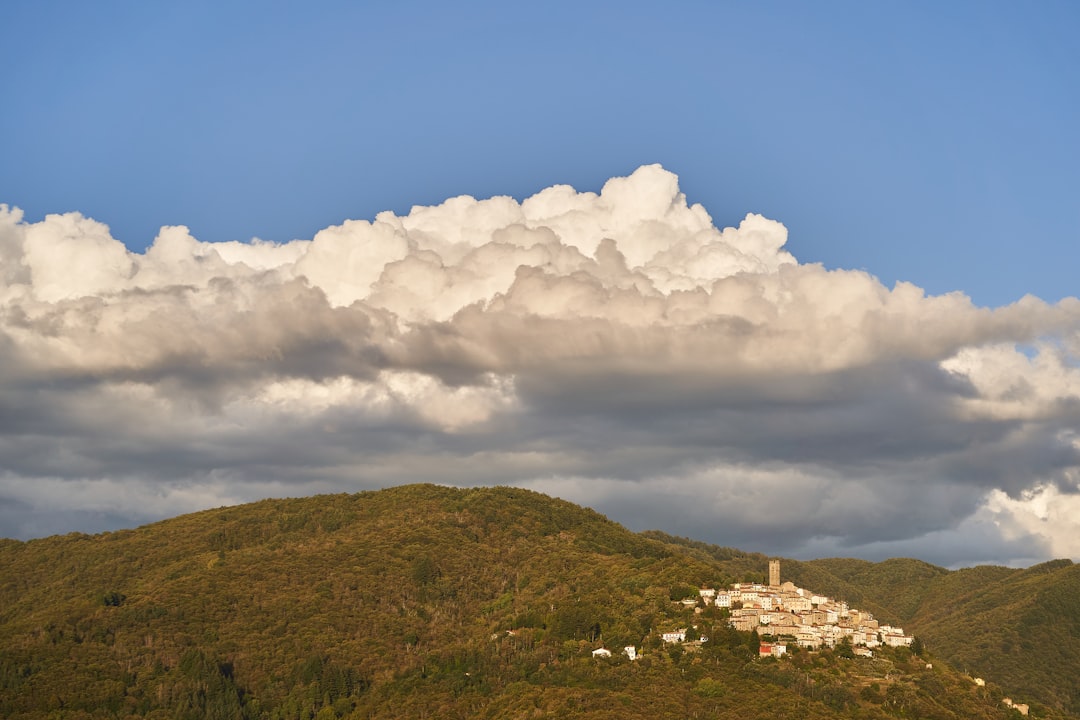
418 602
1018 628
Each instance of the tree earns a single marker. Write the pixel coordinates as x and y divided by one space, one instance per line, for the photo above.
917 646
682 592
424 571
753 643
113 599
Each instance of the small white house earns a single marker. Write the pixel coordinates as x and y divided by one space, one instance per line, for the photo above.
772 650
630 651
674 636
1018 707
601 652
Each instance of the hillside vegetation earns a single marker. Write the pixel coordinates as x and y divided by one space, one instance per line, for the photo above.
1020 628
431 602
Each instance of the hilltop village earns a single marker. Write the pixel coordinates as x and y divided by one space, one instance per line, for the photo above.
782 613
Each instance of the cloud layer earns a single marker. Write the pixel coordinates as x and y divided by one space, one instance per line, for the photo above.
616 349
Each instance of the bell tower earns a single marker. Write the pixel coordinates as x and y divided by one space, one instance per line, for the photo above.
774 573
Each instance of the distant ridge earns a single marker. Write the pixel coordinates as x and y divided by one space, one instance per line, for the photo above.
427 601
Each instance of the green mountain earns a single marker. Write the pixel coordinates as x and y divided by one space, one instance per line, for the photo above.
1020 628
432 602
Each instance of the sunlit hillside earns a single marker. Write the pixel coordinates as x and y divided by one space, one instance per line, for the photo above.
424 601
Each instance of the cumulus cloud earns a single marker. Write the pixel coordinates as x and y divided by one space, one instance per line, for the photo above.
615 348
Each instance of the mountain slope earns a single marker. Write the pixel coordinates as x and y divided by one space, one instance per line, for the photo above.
1019 628
417 601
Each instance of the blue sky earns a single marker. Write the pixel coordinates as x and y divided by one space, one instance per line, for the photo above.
922 141
838 362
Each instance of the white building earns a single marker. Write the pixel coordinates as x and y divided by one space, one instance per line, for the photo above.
808 639
674 636
897 640
1018 707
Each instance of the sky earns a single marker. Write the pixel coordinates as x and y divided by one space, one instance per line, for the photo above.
790 277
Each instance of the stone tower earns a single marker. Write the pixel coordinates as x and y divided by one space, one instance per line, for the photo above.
774 573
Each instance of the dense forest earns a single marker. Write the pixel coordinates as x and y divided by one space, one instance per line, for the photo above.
432 602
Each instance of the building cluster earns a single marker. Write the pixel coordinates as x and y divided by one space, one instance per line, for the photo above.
781 613
784 611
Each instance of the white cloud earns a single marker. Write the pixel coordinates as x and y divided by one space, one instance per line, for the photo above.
1045 512
614 347
70 256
